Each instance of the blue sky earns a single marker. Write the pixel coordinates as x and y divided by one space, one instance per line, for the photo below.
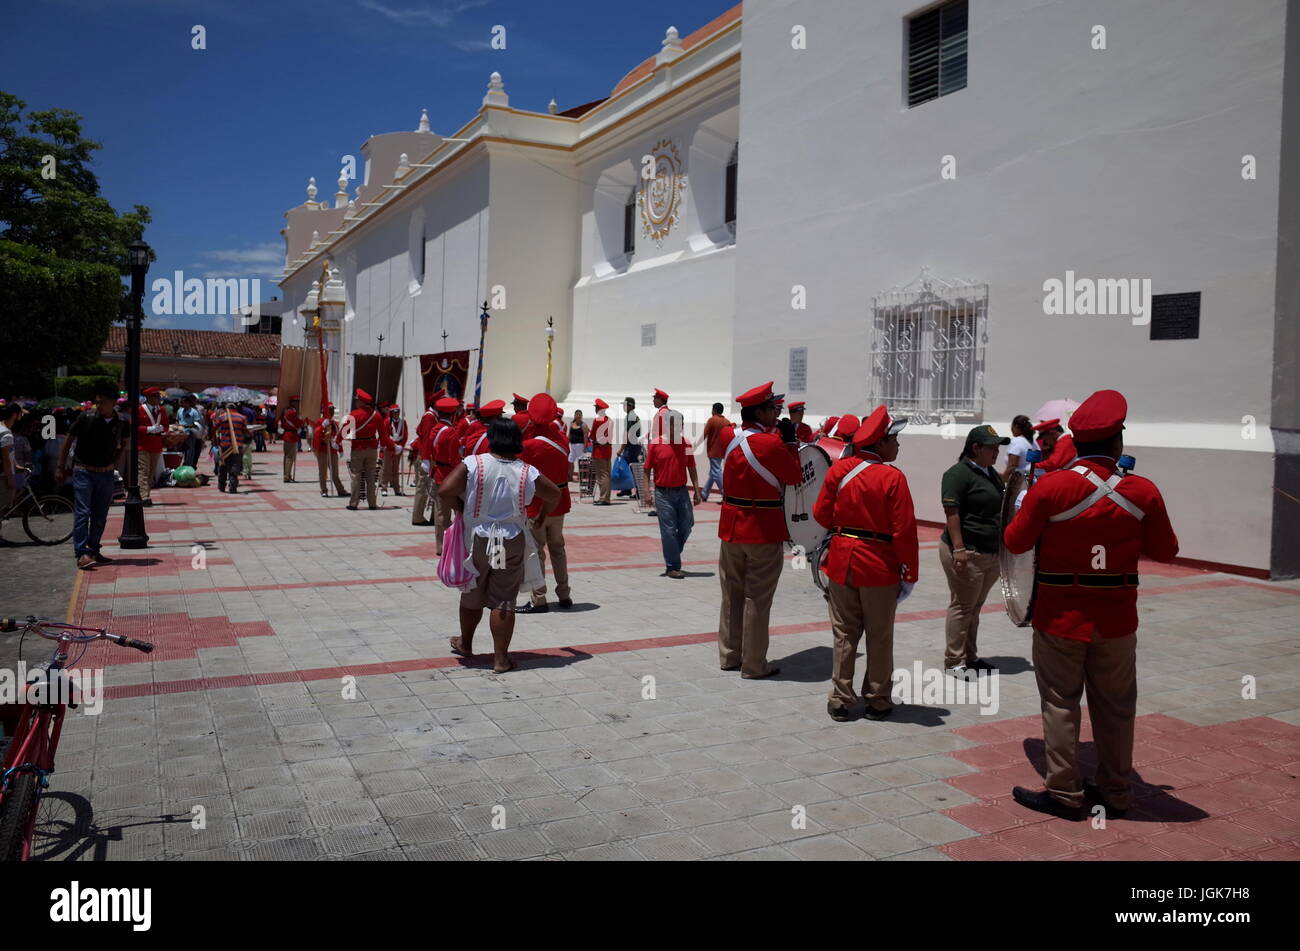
220 142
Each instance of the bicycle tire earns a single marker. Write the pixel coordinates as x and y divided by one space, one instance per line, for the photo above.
53 514
15 815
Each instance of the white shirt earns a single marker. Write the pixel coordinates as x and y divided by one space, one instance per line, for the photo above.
501 491
1019 447
7 442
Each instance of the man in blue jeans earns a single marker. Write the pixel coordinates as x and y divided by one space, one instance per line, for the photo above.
666 462
93 441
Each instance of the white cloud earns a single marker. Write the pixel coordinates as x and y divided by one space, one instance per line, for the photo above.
440 15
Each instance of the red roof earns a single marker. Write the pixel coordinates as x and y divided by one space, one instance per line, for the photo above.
209 344
695 39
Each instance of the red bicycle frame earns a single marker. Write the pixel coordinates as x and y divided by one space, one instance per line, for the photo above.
32 750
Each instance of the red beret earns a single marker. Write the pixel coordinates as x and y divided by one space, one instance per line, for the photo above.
757 396
1047 424
876 427
601 404
661 394
489 410
364 397
1100 416
447 404
542 409
848 425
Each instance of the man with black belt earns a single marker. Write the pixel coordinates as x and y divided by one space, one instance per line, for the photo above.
97 435
1092 523
759 463
367 431
545 451
871 563
291 426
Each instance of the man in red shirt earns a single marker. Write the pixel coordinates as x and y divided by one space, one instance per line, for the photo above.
871 563
714 448
666 461
757 466
602 451
1058 447
523 419
327 443
801 429
424 494
439 454
150 424
367 431
547 451
1091 524
291 424
475 442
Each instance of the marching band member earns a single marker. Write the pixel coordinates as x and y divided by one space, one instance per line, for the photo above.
521 417
1091 523
327 443
150 424
423 491
368 433
546 451
757 467
439 454
291 425
871 563
476 440
397 434
602 451
1058 447
801 429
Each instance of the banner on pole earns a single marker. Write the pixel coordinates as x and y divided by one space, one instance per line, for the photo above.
448 372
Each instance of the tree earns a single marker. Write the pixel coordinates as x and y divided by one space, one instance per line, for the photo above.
62 245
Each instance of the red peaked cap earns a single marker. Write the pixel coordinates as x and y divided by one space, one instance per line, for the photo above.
848 425
661 394
1100 416
876 427
519 399
828 427
757 396
601 404
493 409
447 404
794 406
542 409
150 391
364 397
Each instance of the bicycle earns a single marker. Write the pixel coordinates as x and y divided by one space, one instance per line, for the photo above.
28 759
47 519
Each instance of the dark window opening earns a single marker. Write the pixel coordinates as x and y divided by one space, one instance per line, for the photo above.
731 188
936 52
629 224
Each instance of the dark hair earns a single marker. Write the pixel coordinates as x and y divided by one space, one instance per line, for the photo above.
628 401
106 389
10 410
717 408
1102 447
1022 426
504 437
749 414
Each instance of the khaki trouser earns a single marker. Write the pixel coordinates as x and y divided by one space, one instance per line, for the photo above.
551 537
146 464
426 491
290 459
391 477
442 513
968 590
600 469
362 466
855 610
327 465
749 576
1107 668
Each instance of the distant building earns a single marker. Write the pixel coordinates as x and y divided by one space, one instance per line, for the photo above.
269 311
198 359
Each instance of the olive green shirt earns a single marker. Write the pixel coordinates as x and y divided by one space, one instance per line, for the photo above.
977 497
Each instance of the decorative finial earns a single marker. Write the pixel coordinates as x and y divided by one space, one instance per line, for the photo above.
403 165
672 46
424 121
496 93
341 196
311 188
552 107
352 208
315 238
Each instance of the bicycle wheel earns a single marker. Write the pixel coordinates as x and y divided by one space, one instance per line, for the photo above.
14 815
48 520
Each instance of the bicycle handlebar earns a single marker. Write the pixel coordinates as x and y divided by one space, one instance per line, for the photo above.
8 625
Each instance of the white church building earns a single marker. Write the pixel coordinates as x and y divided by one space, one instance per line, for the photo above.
961 209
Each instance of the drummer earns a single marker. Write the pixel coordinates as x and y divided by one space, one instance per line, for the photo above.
968 550
801 429
871 563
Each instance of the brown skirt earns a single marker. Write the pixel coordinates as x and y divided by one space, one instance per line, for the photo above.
497 588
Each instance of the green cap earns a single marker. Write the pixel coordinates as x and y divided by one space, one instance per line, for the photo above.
987 436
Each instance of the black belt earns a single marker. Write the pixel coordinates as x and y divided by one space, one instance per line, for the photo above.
754 503
1060 580
864 533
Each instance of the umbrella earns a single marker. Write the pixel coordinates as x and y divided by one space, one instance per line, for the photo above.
177 392
212 391
1056 409
239 394
58 402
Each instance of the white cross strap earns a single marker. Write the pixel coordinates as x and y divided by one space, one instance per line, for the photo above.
1104 489
742 440
854 472
554 445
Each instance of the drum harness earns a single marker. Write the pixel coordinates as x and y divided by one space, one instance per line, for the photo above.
865 534
741 440
1103 489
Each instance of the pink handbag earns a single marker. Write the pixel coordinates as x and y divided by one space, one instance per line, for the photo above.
451 565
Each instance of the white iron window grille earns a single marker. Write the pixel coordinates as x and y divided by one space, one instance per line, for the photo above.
927 349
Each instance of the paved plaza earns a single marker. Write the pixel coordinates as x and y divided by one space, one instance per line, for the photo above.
264 607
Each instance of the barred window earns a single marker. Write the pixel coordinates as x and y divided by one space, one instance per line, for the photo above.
730 200
936 52
629 224
927 350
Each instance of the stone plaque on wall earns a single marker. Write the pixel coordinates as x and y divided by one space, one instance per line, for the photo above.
1176 316
798 370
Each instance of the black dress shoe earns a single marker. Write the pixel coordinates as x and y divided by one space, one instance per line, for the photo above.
566 602
533 609
839 714
148 502
1043 801
980 663
874 714
1092 793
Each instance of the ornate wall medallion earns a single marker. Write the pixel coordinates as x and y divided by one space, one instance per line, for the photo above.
661 196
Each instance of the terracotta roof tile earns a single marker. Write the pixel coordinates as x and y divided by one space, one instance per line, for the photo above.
209 344
717 25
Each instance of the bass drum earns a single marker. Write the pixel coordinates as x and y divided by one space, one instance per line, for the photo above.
815 563
1019 573
833 448
804 532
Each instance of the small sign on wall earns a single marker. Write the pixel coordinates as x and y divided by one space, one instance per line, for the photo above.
648 335
1176 316
798 370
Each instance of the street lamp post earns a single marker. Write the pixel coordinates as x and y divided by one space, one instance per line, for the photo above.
133 533
482 341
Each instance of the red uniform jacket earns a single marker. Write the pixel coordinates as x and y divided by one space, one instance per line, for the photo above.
397 433
145 417
422 428
290 424
1063 454
550 462
369 430
804 432
326 435
475 441
441 449
1070 547
524 422
602 438
749 525
878 500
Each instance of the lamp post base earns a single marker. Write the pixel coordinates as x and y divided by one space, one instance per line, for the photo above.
133 534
